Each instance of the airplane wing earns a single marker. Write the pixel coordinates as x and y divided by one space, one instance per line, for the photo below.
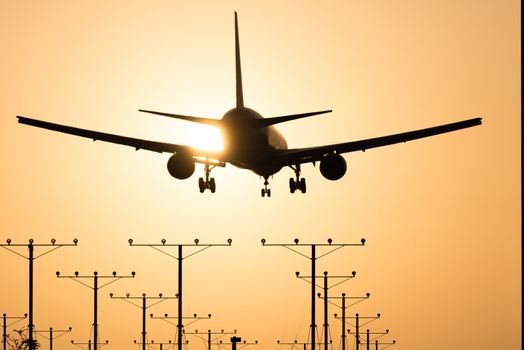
313 154
137 144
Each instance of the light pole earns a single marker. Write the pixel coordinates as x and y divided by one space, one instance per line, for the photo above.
31 257
325 297
112 278
180 257
358 318
344 307
160 298
60 333
153 343
89 342
377 334
5 325
313 258
387 344
292 344
209 336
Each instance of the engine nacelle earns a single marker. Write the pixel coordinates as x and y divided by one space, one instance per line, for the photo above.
181 166
333 166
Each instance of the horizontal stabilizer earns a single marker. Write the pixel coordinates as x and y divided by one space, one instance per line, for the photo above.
262 123
206 121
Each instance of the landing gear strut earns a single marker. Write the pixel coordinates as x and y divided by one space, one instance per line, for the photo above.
299 183
209 182
265 190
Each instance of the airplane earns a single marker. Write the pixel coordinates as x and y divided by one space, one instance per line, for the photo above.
252 142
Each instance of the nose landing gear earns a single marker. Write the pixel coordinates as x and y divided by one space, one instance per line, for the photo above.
265 191
299 183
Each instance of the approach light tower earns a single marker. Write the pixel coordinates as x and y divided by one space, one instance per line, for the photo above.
111 279
5 325
31 247
130 299
344 307
180 257
313 258
326 287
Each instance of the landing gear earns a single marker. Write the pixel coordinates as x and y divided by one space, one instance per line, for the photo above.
299 183
209 182
265 191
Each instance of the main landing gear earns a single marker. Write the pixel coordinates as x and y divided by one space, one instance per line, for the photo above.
299 183
209 182
265 191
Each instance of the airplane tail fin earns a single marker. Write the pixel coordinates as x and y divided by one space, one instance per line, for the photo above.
239 92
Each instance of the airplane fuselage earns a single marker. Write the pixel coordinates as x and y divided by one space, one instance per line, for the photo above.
250 147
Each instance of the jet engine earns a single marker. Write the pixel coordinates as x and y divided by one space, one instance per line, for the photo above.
181 166
333 166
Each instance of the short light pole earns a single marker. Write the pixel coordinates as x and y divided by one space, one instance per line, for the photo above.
89 343
31 257
192 319
293 344
387 344
5 325
210 334
130 299
153 343
110 278
293 247
52 332
344 307
180 257
358 318
237 340
376 334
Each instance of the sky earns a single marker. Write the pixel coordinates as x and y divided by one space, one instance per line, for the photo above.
441 216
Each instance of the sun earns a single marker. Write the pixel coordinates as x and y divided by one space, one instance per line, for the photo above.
207 138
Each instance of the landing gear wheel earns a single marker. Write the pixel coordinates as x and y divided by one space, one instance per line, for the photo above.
292 185
268 192
263 192
212 185
303 185
201 185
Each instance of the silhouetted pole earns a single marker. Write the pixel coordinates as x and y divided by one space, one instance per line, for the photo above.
180 257
5 325
344 307
379 334
160 298
51 332
358 318
387 344
95 288
293 344
313 258
89 342
209 334
153 343
31 258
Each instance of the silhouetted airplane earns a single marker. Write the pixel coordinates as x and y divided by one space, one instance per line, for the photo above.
252 142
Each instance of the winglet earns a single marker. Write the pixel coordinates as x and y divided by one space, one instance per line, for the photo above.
240 95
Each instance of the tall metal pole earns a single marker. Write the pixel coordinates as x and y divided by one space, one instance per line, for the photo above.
357 335
367 339
50 338
313 285
144 322
343 321
53 246
113 278
325 311
4 334
180 257
179 325
95 322
30 328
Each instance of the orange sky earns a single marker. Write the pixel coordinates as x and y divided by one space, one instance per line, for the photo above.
441 215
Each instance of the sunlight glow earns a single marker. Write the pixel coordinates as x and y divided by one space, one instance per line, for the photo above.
207 138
